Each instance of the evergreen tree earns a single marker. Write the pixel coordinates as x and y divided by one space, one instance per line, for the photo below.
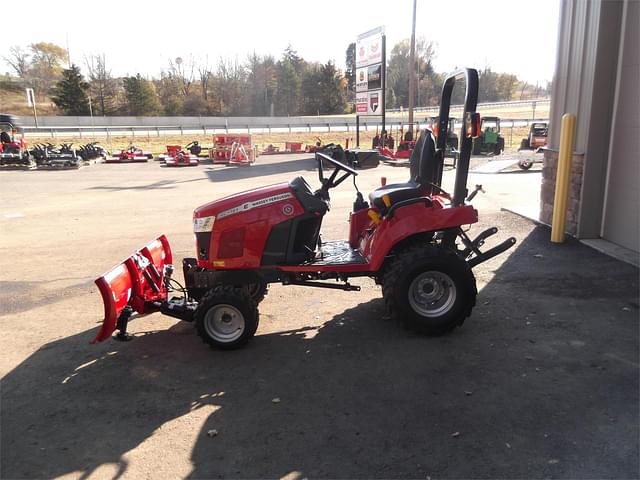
288 94
311 101
140 96
70 93
332 90
350 73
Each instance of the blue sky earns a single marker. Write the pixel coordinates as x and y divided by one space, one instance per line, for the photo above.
515 36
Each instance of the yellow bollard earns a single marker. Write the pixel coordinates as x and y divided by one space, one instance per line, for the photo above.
563 177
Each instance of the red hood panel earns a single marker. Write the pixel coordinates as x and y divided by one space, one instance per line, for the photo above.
244 201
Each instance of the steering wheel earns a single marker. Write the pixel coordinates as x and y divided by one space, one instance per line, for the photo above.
331 182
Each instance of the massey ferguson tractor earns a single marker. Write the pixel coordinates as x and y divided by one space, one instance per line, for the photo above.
408 236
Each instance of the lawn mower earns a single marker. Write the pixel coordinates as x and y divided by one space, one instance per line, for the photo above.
131 154
177 157
13 151
409 237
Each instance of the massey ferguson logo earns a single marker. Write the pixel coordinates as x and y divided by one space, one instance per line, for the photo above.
374 103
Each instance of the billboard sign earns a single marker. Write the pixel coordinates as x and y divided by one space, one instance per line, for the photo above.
370 72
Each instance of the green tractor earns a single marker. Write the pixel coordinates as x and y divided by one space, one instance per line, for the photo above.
490 141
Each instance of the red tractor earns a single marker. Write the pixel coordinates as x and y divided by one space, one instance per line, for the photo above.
13 151
409 237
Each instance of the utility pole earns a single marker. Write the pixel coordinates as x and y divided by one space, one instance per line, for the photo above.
412 67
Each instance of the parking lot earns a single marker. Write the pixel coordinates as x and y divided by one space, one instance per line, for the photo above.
540 382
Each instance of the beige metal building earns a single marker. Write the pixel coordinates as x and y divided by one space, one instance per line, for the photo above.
598 78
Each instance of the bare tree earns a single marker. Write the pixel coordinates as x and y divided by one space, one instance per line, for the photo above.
18 59
231 76
184 71
103 85
46 65
204 72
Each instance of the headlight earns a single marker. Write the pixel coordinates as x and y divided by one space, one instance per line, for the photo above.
203 224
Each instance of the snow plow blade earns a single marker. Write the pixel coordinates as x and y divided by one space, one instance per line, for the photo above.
138 283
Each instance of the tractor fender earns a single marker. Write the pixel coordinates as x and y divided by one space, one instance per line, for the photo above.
412 222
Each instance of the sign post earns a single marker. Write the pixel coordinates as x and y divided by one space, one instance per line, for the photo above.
370 76
31 101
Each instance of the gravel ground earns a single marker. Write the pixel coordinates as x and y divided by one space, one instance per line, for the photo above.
540 382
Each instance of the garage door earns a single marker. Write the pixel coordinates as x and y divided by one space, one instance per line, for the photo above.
622 209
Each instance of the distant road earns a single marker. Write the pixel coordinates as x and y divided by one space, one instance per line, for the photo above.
516 113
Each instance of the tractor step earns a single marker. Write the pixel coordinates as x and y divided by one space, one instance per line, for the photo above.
344 286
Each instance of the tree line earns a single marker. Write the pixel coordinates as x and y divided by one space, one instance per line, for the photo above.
260 86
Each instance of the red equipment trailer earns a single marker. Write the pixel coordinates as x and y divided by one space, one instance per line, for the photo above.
409 237
232 149
177 157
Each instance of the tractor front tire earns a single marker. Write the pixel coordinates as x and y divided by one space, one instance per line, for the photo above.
525 164
226 317
429 289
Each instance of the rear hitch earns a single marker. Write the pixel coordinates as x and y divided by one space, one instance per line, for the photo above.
473 247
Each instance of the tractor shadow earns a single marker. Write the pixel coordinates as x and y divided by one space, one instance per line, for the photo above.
274 165
159 185
537 383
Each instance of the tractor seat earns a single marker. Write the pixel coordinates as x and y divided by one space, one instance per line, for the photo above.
421 166
397 193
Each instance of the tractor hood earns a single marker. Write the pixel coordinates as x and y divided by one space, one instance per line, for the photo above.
243 202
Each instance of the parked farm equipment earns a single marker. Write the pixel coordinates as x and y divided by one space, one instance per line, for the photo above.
289 147
131 154
13 151
177 157
91 151
409 237
231 149
50 156
489 141
537 138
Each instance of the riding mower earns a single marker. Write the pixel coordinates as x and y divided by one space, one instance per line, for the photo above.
409 237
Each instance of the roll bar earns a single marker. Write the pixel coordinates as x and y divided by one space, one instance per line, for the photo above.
470 77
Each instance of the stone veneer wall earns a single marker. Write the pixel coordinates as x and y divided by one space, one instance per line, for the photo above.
548 189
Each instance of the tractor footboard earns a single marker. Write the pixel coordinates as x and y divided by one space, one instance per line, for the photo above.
138 284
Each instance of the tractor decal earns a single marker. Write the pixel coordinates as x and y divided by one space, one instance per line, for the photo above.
256 203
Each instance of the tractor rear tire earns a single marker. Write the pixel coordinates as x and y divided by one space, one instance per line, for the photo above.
226 317
429 289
